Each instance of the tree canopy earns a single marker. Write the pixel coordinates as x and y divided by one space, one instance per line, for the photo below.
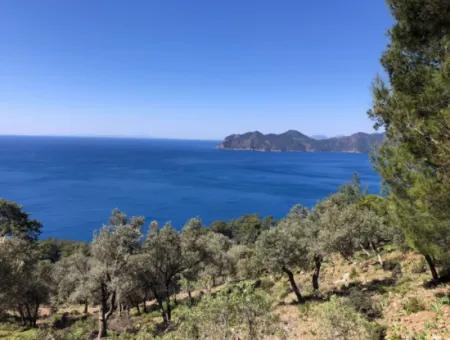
413 108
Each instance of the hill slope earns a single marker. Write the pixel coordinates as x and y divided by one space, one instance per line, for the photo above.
295 141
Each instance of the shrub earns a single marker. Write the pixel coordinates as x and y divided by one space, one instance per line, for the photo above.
419 266
81 329
338 320
413 305
353 274
363 304
240 310
390 265
445 299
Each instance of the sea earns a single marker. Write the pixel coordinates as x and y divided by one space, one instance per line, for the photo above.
71 184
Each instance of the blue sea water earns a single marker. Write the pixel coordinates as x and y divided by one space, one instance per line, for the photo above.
72 184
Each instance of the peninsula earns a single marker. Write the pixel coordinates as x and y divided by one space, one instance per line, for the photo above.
295 141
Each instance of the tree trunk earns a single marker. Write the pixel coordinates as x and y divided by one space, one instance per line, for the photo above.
29 316
22 315
102 325
293 285
36 314
251 329
375 250
433 270
163 311
144 306
364 250
86 305
169 308
103 315
315 277
190 298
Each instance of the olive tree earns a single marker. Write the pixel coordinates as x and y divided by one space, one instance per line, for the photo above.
280 250
163 263
194 254
72 275
111 250
25 281
305 229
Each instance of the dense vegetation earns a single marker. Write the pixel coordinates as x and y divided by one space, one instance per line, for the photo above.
231 279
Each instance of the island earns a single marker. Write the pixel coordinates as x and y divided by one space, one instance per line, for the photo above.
295 141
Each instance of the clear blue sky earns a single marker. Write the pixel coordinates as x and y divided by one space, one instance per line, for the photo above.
188 69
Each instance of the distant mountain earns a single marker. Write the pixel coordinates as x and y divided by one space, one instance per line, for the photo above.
293 140
319 137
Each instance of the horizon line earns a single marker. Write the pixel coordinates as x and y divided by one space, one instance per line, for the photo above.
172 138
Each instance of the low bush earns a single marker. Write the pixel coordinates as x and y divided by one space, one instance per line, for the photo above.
339 321
80 329
419 266
240 310
413 305
363 304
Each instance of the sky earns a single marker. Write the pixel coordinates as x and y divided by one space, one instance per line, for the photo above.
197 69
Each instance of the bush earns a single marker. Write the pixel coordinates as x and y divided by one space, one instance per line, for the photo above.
419 266
445 299
339 321
353 274
80 329
239 310
413 305
390 265
363 304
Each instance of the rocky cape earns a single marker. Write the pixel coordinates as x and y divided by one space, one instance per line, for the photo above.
295 141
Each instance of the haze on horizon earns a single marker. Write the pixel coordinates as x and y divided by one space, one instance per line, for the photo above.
178 69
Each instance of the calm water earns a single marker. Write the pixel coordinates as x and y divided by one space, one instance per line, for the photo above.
72 184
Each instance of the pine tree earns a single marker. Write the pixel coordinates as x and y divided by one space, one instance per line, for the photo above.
413 107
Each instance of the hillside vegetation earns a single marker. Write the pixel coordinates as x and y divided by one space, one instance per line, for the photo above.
340 270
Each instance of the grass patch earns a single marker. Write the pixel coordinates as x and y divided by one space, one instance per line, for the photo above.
413 305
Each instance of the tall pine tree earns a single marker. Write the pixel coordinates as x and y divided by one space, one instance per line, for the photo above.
413 108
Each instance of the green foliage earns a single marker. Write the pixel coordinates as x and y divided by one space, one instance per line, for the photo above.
244 230
14 222
414 109
245 264
53 250
350 221
25 282
413 305
163 260
279 248
338 320
14 332
239 311
419 266
362 303
445 300
73 274
80 329
222 227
